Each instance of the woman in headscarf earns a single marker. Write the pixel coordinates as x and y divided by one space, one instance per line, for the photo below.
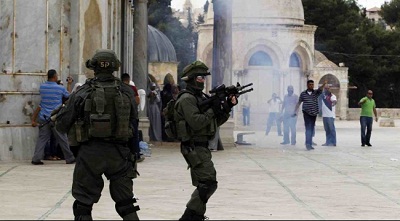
153 112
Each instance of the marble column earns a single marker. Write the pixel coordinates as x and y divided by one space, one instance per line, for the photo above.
140 66
222 43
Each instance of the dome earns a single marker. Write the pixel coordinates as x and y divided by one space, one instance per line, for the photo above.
277 12
322 61
160 48
269 12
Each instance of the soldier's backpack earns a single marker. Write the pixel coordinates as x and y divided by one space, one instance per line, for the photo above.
170 123
107 111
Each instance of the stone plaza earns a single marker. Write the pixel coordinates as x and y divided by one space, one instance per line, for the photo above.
261 181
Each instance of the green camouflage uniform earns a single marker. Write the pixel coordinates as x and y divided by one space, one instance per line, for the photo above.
100 156
196 127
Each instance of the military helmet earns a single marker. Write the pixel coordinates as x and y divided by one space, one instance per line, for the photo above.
104 60
197 68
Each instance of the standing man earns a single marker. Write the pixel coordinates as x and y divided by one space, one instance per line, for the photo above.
195 127
52 96
134 141
102 111
367 106
289 121
328 105
309 98
246 110
274 107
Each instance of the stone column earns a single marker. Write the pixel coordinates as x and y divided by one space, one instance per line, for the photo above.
222 58
140 66
343 102
222 43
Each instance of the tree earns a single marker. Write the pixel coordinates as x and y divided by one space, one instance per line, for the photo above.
390 12
368 50
161 17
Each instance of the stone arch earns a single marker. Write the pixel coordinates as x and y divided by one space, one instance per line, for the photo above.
333 81
296 76
260 58
305 52
207 58
92 31
207 55
294 60
265 46
266 79
334 85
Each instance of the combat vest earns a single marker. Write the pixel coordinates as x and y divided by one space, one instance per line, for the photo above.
106 113
183 130
170 125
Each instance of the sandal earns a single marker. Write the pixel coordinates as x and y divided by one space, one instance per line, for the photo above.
55 158
49 158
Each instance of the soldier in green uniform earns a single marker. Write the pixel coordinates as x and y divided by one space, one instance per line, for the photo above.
100 113
195 127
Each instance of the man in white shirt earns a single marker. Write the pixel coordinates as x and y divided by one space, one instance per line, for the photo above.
328 115
274 114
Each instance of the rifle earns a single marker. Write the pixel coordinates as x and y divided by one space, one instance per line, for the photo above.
222 93
53 116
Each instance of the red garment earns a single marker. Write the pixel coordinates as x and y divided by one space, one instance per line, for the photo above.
135 90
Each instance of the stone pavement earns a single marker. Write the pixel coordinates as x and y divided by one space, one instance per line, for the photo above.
262 181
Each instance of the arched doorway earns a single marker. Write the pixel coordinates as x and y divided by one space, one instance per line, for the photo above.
261 69
295 76
334 85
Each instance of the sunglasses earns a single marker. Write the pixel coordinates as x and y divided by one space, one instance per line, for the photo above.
370 93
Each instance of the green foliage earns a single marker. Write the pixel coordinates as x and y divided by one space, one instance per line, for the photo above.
344 34
183 39
390 12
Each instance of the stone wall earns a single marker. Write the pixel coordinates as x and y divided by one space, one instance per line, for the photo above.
57 34
354 113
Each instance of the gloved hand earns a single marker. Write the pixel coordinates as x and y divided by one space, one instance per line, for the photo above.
232 100
216 106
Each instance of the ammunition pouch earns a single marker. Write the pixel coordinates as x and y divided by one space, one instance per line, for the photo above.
170 129
188 151
123 130
100 125
183 130
80 131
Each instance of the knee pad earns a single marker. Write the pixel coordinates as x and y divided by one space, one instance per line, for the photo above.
126 207
207 189
82 211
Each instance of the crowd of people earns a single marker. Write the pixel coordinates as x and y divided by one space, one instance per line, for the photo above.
51 145
320 102
157 102
101 119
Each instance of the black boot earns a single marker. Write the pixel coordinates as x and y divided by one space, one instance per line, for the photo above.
82 211
127 210
191 215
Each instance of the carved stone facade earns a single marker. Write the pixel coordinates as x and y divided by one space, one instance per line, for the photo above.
57 34
272 48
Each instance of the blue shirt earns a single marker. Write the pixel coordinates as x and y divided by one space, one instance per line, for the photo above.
51 94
